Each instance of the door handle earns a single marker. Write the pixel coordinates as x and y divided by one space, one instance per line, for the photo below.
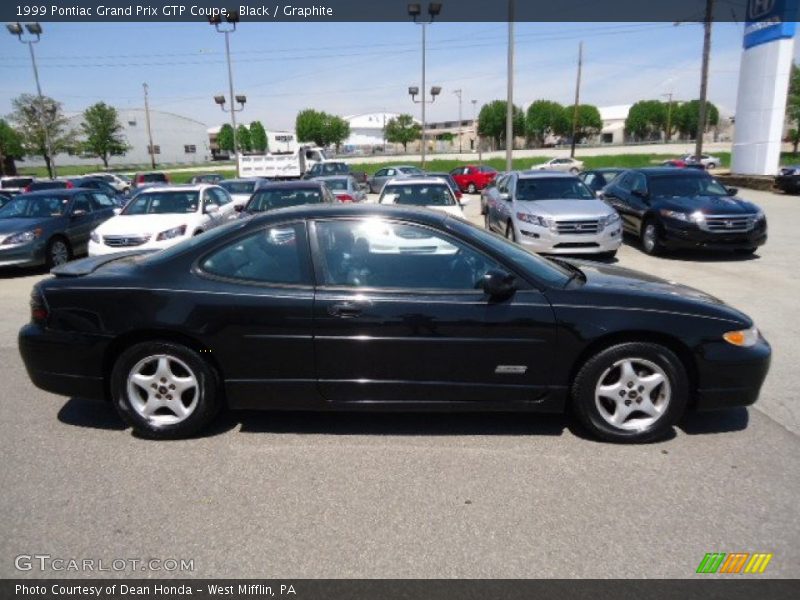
345 310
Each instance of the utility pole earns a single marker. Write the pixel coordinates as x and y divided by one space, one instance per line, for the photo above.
701 119
458 93
510 91
577 100
475 128
669 115
151 148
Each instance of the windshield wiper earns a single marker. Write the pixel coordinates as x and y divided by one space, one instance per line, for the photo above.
575 272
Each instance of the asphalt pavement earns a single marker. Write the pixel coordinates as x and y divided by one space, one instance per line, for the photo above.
294 495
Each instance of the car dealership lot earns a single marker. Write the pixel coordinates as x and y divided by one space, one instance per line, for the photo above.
382 495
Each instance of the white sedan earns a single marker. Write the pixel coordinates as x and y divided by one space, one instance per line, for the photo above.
565 165
430 193
161 217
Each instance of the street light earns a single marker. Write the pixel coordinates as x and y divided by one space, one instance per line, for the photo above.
34 29
231 18
415 11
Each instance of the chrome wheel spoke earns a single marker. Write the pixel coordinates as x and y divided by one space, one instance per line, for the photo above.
166 380
632 394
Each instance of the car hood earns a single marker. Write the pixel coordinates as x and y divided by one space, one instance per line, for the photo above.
719 205
141 224
578 209
18 225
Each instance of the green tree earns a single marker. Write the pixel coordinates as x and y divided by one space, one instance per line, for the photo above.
310 126
545 118
646 120
337 130
687 115
38 119
10 148
492 121
243 139
225 138
102 133
793 106
402 130
258 137
588 122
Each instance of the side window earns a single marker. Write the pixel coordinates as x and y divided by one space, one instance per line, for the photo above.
101 201
381 173
591 180
502 185
638 183
81 204
220 196
625 182
274 255
390 172
209 199
373 253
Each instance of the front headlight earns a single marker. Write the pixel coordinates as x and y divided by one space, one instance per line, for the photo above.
95 236
23 237
744 337
609 220
695 217
535 219
171 233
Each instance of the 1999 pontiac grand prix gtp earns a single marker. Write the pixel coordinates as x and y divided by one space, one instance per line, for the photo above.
373 307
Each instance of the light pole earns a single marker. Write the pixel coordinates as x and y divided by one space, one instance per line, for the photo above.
35 29
231 18
414 11
458 93
669 114
510 91
475 128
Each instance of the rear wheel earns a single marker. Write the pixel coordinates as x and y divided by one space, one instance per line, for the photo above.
58 252
650 242
471 188
574 170
510 234
631 392
164 390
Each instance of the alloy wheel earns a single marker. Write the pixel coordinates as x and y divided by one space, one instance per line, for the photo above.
649 239
59 253
632 394
163 389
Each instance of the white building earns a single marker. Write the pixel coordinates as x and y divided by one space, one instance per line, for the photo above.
366 130
613 117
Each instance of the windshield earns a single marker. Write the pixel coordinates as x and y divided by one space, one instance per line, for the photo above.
333 168
34 206
264 200
686 186
436 194
153 178
553 188
17 182
410 170
337 184
544 269
238 187
159 203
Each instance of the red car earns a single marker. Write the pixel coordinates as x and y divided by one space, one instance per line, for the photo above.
472 178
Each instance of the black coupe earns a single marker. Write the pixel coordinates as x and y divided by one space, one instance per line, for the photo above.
375 307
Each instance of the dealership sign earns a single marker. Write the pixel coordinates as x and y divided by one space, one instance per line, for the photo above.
769 20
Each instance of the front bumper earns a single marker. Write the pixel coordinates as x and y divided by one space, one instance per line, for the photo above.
23 255
545 241
730 376
675 235
100 249
788 183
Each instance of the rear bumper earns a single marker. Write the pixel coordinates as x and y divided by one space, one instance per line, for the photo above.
732 376
68 364
680 237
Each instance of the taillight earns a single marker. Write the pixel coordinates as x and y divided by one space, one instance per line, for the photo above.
70 185
26 189
345 198
38 307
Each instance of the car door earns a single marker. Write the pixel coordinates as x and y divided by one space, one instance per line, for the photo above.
80 222
618 195
103 207
212 216
399 316
225 203
638 202
502 205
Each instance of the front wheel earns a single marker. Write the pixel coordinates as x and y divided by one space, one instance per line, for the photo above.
471 188
574 170
510 233
58 252
650 242
164 390
631 392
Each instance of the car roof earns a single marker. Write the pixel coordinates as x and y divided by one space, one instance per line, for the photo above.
187 187
421 180
242 180
544 175
330 177
607 170
312 211
672 171
290 185
60 191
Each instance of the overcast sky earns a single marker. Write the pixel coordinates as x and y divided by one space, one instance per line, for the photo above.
351 68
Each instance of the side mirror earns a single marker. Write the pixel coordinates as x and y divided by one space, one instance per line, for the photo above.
464 202
505 196
498 284
79 212
117 210
732 191
238 207
599 194
211 209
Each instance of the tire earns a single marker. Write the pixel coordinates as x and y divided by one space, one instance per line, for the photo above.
155 413
486 224
574 171
642 414
472 189
649 238
510 233
711 165
58 252
198 232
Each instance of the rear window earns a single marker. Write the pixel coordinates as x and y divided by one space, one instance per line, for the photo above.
337 184
48 185
17 182
159 203
238 187
435 194
153 178
264 200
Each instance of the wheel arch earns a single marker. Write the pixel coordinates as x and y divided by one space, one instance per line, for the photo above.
670 342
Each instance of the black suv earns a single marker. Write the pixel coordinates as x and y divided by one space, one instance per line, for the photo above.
684 208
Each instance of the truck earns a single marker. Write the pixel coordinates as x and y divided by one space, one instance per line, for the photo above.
281 165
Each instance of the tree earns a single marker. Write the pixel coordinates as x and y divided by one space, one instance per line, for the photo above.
243 139
310 126
402 130
646 120
102 133
38 119
545 118
793 105
492 121
588 123
687 115
258 137
337 130
10 148
225 138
